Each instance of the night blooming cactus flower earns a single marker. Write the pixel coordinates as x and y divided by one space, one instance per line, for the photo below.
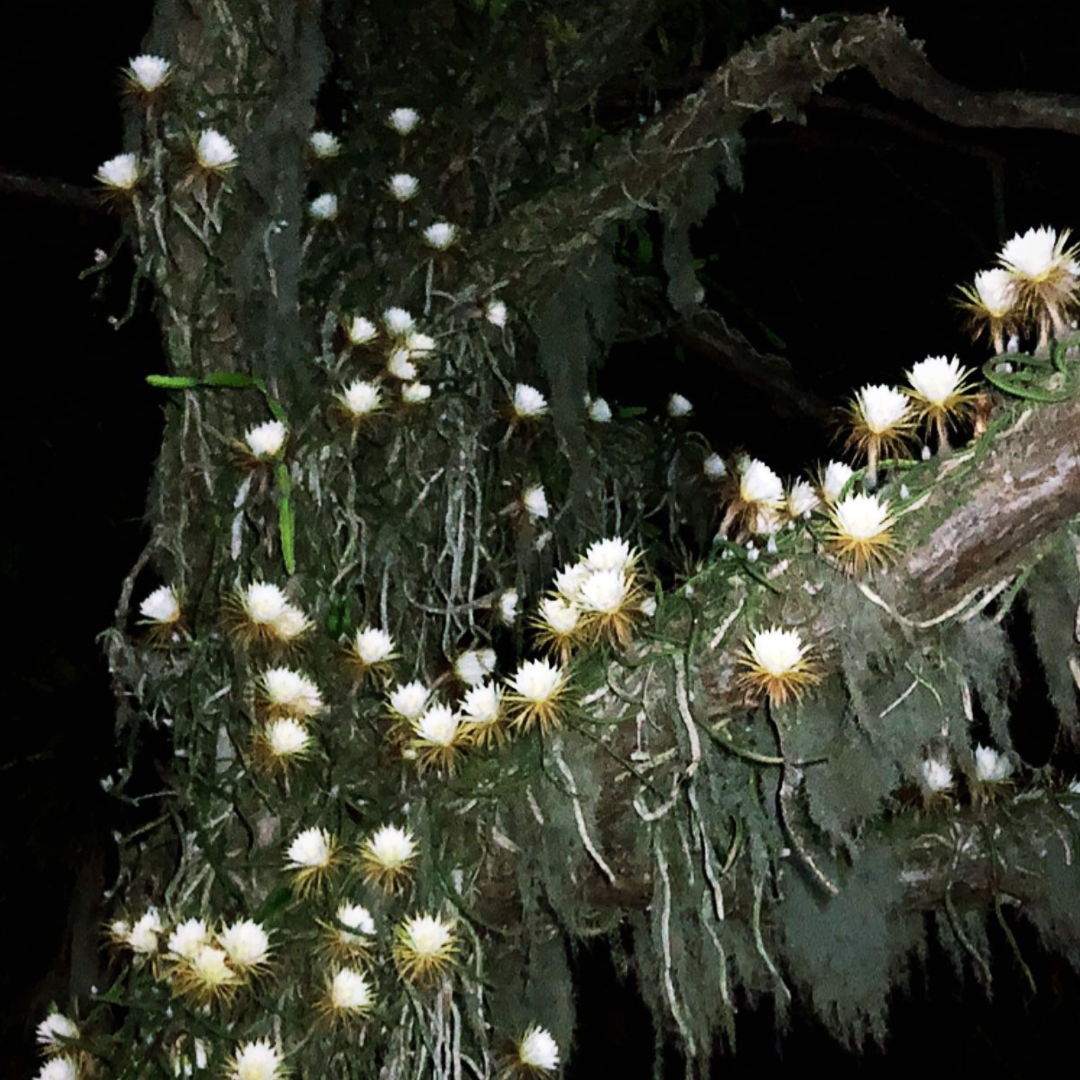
402 187
348 996
474 665
400 366
120 173
529 403
288 693
537 693
415 393
775 663
992 304
423 947
759 485
324 144
495 313
936 775
361 399
256 1061
834 479
1045 272
398 322
860 532
679 406
941 394
481 714
187 939
284 741
713 467
247 945
599 410
54 1031
990 766
802 499
162 606
387 857
372 646
408 701
265 441
143 936
508 606
534 500
147 74
440 236
324 207
881 423
213 152
360 331
59 1068
560 626
355 930
311 856
437 738
403 120
537 1051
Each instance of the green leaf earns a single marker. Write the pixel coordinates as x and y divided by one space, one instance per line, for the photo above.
273 903
228 378
172 382
628 412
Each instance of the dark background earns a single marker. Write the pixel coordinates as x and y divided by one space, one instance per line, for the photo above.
847 245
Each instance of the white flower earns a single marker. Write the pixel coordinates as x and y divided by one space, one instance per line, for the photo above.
256 1061
481 703
536 680
439 725
936 774
990 766
161 606
495 313
324 207
324 145
398 321
289 691
777 651
409 700
266 440
188 938
58 1068
538 1050
997 291
801 498
373 645
246 943
440 235
148 72
881 407
1074 787
403 187
403 120
361 397
1034 254
536 504
648 606
679 406
508 604
599 411
360 330
837 474
569 579
560 614
359 921
759 484
349 991
767 521
529 403
390 846
936 378
291 623
713 467
143 936
427 935
415 393
611 554
313 847
862 517
400 366
55 1028
603 591
214 152
287 737
121 173
264 603
475 665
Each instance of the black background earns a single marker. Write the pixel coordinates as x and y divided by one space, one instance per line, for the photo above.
848 243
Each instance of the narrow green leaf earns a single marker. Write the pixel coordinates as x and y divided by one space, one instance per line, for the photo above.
172 382
228 378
